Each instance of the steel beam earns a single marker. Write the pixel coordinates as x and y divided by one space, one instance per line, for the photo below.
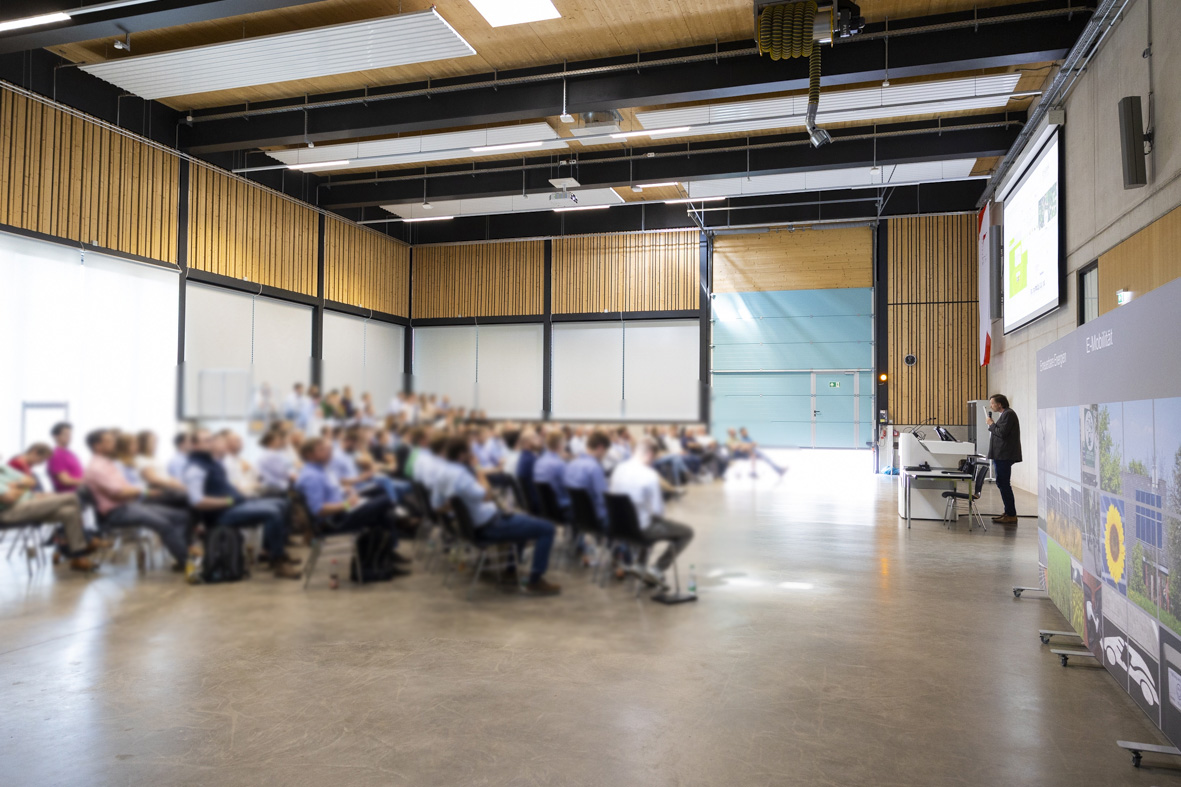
968 137
490 101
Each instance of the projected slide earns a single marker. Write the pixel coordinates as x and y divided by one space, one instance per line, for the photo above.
1031 241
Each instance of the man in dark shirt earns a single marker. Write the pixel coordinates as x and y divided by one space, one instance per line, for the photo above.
1005 451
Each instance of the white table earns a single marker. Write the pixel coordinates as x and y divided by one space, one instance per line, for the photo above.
910 476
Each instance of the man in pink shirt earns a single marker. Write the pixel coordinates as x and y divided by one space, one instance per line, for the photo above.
65 469
121 504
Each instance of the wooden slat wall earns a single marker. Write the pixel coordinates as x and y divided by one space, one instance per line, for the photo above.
67 177
240 230
933 314
479 280
1143 262
657 271
816 259
364 268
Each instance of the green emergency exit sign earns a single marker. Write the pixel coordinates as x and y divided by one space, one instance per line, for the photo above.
834 384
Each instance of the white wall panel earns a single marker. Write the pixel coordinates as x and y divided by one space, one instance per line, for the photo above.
97 333
661 367
588 370
510 368
445 362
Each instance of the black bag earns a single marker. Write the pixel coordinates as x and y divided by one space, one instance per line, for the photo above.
223 561
375 557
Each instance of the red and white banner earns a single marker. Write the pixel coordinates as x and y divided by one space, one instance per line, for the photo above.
984 260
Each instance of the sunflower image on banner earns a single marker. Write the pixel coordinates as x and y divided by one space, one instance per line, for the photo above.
1115 546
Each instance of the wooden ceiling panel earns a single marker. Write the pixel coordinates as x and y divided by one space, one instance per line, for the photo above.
588 29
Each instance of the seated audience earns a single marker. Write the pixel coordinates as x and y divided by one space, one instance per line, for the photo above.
488 449
341 511
586 472
343 465
526 464
464 478
164 487
65 468
242 475
123 455
416 440
743 447
20 505
122 504
212 494
36 455
511 438
183 443
636 479
275 470
551 469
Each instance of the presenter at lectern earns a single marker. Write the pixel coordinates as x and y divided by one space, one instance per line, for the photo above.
1005 451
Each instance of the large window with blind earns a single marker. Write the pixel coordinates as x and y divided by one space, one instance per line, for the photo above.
494 368
636 370
243 353
365 354
88 337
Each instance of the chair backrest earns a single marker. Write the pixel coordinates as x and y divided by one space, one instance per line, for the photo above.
623 521
465 527
583 510
422 498
401 454
549 502
979 476
509 481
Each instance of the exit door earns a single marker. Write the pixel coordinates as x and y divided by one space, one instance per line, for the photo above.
796 409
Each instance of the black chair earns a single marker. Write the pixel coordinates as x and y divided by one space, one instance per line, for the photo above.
585 521
553 511
975 489
624 524
466 531
401 454
130 534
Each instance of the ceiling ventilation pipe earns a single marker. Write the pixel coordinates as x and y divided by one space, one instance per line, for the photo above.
797 29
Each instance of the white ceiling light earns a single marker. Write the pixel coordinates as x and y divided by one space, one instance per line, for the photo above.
428 218
305 54
33 21
655 185
501 13
509 146
691 199
649 133
423 148
320 165
581 207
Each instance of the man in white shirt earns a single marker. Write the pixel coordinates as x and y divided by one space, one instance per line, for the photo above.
636 479
176 465
241 474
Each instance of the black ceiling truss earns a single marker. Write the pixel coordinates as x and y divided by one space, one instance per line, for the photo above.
703 73
803 209
887 145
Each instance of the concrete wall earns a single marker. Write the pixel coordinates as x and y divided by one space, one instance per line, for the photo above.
1099 212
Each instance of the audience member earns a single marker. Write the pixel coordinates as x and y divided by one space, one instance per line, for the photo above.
242 475
65 468
465 479
183 443
123 455
20 505
743 447
275 470
586 472
36 455
164 487
636 479
122 504
551 469
211 493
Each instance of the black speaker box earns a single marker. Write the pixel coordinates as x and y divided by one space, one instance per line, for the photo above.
1131 139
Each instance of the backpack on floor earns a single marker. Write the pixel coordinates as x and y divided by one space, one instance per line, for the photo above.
223 560
375 557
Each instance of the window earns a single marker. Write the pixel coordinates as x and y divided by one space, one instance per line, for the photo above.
1088 292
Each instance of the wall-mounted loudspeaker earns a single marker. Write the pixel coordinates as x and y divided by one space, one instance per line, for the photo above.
910 360
1131 138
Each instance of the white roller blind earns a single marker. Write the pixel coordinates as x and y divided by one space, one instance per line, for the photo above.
282 347
365 354
385 352
344 351
588 370
445 362
511 375
661 368
93 332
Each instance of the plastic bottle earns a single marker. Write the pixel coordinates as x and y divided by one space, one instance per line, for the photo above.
333 579
693 579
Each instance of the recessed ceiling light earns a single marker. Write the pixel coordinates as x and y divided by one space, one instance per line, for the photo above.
34 21
651 132
508 146
566 117
581 207
428 218
319 165
501 13
656 185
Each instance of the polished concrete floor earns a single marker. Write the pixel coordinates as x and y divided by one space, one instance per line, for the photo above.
830 646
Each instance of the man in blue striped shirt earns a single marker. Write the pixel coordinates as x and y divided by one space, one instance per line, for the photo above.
586 472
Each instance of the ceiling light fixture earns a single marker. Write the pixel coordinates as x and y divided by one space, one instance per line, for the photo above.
581 207
565 117
33 21
508 146
319 165
502 13
656 185
648 133
428 218
692 199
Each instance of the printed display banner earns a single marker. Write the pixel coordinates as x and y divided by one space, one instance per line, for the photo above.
1109 494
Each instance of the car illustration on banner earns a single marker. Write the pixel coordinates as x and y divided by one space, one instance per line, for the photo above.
1114 649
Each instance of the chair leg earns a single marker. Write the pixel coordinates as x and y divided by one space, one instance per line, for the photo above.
476 575
313 556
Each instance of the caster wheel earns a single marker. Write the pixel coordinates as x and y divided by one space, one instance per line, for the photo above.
1016 593
1063 659
1136 759
1045 640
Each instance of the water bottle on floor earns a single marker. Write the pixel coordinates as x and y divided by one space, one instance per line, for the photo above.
693 579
